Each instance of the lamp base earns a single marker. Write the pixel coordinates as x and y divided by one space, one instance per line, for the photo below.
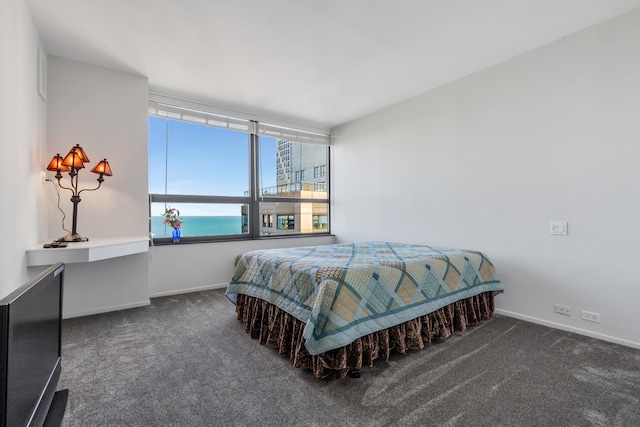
71 237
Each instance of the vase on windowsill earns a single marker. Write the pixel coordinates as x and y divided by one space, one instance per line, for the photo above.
175 235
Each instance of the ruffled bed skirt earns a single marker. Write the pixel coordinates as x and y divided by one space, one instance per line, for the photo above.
278 329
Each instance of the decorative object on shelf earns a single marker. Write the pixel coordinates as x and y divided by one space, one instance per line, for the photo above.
72 163
172 219
175 234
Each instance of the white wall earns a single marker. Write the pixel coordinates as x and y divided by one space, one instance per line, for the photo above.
488 161
191 267
105 111
22 141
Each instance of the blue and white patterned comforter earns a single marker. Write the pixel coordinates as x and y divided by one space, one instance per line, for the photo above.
345 291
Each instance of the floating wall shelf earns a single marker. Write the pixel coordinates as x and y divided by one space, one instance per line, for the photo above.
94 250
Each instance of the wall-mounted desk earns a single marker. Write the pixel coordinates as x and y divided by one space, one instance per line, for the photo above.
103 274
95 249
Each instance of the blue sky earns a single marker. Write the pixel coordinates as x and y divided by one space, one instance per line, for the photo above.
204 160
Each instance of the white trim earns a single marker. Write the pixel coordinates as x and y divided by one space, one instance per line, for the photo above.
187 291
180 102
200 117
562 327
106 309
289 134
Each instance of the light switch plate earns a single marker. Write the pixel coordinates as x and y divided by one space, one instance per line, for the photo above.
559 228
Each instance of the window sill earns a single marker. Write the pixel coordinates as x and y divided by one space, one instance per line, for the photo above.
166 241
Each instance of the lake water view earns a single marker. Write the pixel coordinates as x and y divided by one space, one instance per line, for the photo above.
199 226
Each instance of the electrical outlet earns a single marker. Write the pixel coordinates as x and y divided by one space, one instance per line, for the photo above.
562 309
591 317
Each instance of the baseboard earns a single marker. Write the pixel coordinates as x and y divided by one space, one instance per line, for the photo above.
562 327
142 303
188 290
106 309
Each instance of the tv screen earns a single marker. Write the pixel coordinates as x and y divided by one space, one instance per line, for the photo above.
30 345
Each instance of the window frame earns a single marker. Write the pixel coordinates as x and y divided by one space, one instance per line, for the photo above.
252 200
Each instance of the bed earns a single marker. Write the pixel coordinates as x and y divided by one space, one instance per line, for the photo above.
336 308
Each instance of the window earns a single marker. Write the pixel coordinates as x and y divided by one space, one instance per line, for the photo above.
202 219
293 201
200 163
187 158
286 222
320 222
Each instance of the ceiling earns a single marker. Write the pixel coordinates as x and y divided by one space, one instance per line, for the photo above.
314 62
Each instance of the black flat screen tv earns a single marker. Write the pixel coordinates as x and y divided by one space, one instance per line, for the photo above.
30 351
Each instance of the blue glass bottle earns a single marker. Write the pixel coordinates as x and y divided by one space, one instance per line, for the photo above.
175 235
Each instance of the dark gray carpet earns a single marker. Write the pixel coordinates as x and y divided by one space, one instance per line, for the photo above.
186 361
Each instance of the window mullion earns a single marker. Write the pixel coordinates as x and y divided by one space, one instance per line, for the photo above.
254 207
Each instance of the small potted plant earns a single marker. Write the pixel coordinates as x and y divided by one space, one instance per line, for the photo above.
173 220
